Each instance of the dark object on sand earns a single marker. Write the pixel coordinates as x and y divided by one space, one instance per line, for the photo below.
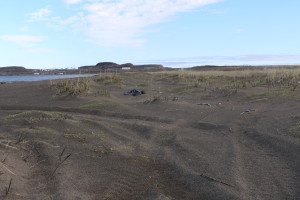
2 82
134 92
247 111
205 104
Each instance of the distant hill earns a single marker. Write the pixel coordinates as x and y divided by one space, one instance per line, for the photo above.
111 66
14 70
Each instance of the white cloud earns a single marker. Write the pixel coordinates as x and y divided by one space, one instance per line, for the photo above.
41 14
274 58
40 50
251 59
114 22
240 30
72 1
23 40
24 29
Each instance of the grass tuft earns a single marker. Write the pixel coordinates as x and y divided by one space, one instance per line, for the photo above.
109 79
295 130
36 116
70 87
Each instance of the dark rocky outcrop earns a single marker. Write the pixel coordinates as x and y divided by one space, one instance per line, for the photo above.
127 65
149 67
107 65
14 70
111 66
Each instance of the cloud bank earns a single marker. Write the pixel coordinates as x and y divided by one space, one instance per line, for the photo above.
117 22
23 40
41 14
252 59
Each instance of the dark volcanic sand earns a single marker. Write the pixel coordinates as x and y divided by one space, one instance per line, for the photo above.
118 147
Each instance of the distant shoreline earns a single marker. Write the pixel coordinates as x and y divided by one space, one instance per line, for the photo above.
30 78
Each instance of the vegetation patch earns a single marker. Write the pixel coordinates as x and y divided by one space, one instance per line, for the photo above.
188 90
145 158
76 137
188 138
104 149
153 99
166 137
203 95
288 78
47 144
110 79
269 94
99 104
295 130
69 87
36 116
157 98
104 92
38 130
123 148
143 85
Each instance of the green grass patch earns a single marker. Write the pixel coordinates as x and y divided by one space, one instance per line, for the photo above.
188 138
157 99
269 94
38 131
239 79
47 144
177 89
143 85
36 116
76 137
203 95
109 79
188 90
105 93
99 104
294 131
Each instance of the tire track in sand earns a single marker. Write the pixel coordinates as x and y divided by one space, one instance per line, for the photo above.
261 172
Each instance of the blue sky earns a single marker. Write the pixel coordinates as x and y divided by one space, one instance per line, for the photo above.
176 33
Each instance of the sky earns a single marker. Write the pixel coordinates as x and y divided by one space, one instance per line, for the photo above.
48 34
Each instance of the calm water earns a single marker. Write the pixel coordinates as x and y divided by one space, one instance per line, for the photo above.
40 77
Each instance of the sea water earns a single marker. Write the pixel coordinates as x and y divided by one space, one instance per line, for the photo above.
40 77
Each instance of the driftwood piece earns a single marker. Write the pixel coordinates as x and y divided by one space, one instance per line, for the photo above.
9 146
59 164
7 169
204 104
8 188
215 180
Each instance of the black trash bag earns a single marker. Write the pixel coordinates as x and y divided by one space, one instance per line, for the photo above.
134 92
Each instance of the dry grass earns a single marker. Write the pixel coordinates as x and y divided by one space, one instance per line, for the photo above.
99 104
109 79
229 82
36 116
158 98
295 129
70 87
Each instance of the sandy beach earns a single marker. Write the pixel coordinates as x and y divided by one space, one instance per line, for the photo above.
202 135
